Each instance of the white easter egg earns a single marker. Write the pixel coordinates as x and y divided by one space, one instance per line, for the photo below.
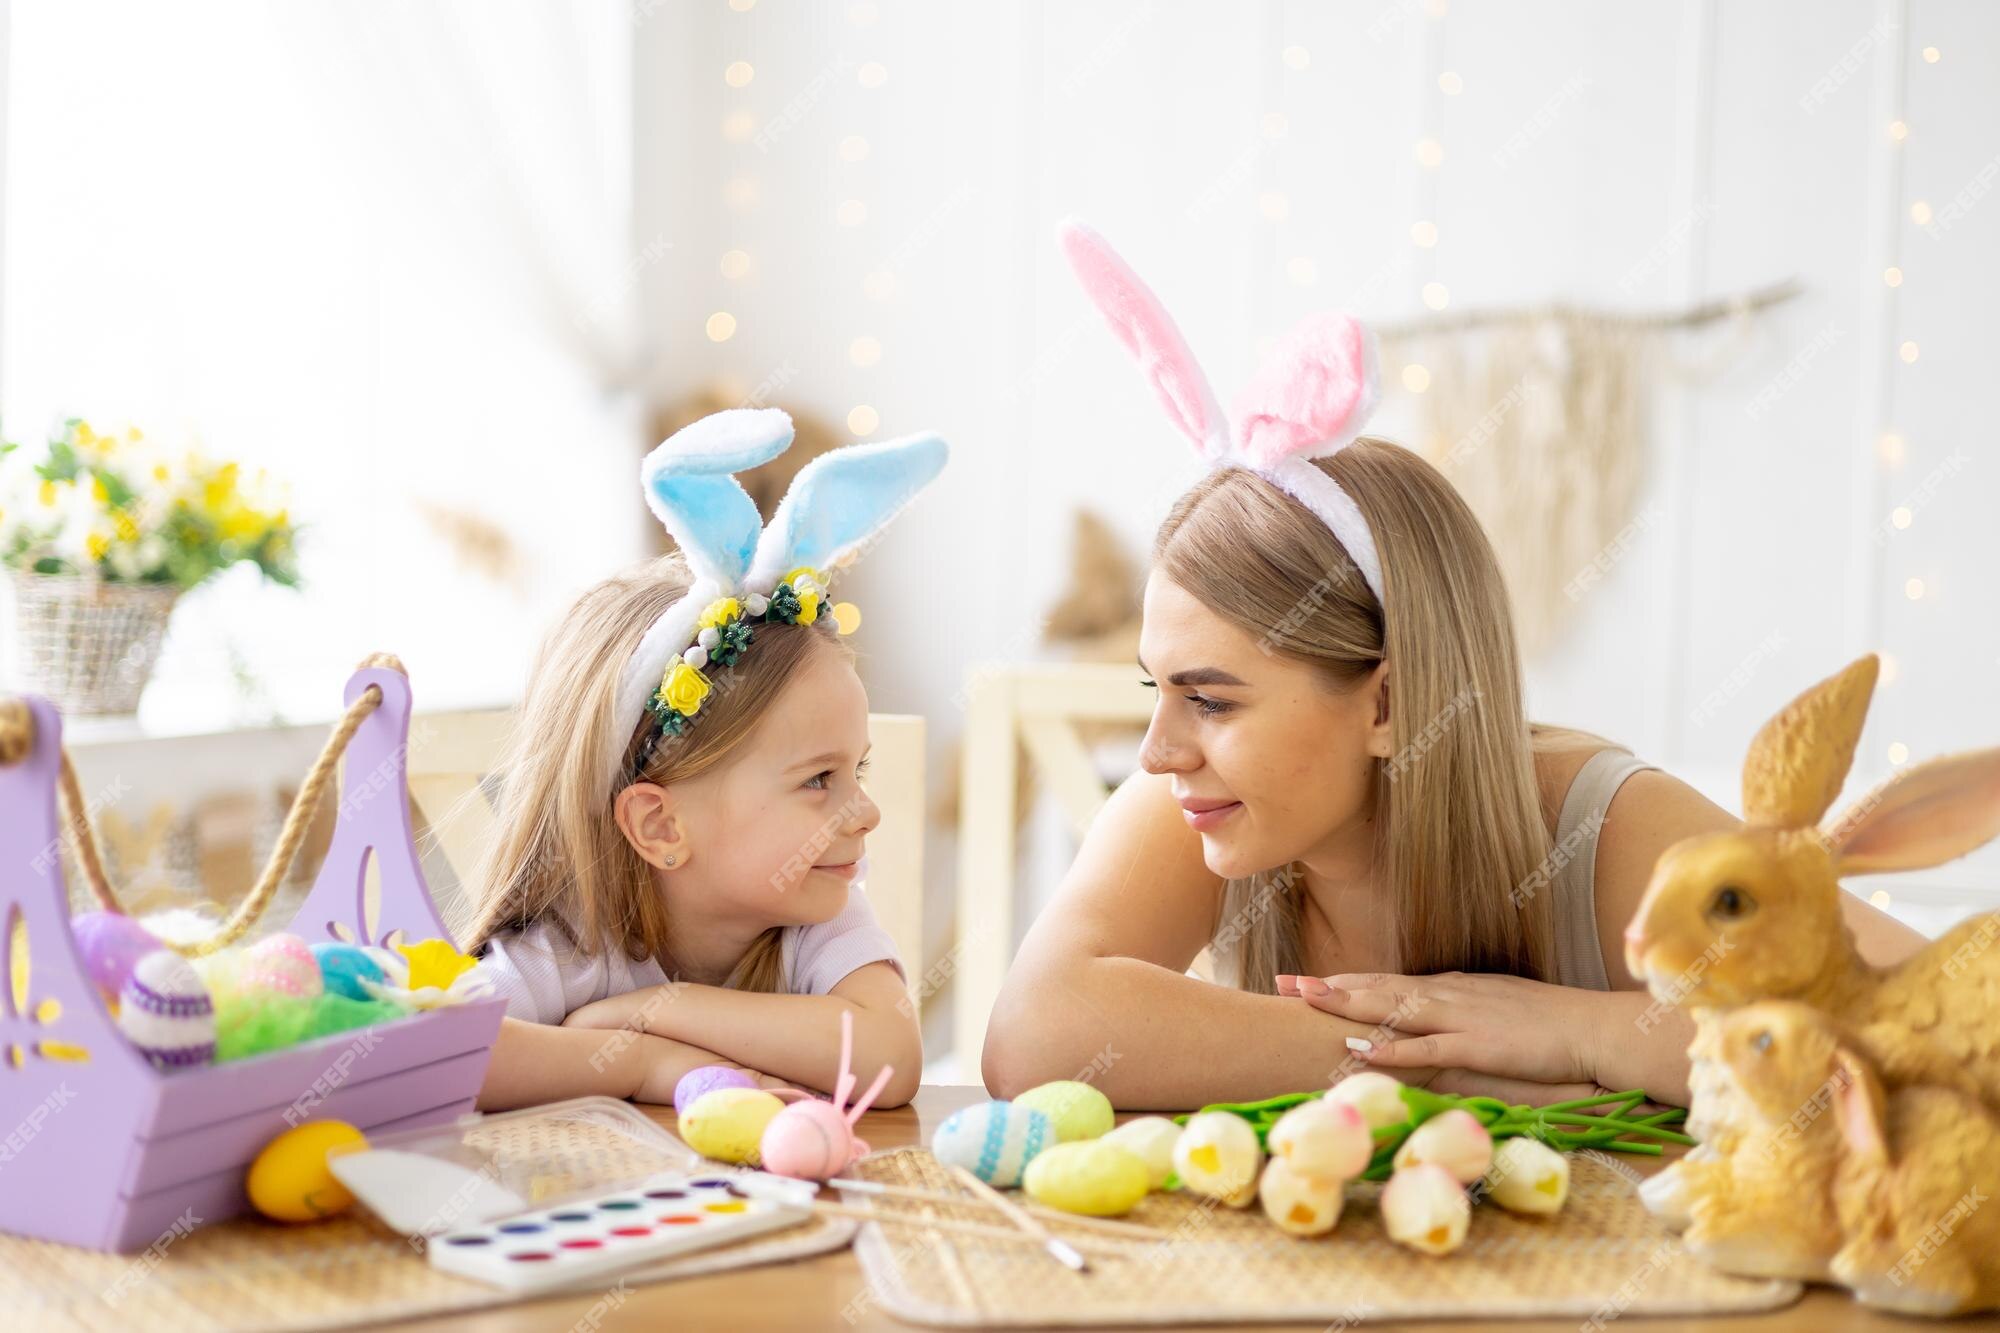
993 1140
165 1012
1217 1155
1151 1139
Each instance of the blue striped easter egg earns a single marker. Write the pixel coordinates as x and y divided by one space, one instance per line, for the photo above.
993 1140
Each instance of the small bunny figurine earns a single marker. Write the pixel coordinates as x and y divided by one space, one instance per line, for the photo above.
815 1140
1881 1189
1734 917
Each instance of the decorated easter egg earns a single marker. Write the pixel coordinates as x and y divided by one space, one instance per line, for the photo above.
1075 1110
728 1123
1151 1139
282 964
1217 1156
1300 1204
165 1011
1088 1176
707 1079
344 967
1327 1140
993 1140
809 1141
289 1181
111 943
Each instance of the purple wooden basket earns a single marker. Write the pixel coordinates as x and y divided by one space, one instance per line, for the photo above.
97 1147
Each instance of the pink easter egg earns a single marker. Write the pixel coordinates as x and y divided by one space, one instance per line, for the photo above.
707 1079
282 964
111 944
809 1141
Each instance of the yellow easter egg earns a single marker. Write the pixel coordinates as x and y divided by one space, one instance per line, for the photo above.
728 1123
290 1181
1089 1176
1077 1110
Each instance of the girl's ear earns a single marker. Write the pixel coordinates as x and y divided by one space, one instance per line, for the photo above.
1800 758
647 816
1924 816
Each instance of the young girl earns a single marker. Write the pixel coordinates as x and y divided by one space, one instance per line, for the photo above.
1342 803
676 878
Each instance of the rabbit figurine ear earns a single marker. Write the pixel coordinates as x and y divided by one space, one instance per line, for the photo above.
689 487
1150 334
839 501
1799 759
1312 396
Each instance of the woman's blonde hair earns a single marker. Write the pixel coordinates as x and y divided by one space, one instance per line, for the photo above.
559 857
1459 819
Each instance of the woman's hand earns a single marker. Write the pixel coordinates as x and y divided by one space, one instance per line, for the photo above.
1485 1023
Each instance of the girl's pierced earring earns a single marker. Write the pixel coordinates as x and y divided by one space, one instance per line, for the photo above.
671 860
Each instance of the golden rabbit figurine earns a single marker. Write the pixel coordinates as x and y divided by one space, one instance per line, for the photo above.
1753 914
1839 1176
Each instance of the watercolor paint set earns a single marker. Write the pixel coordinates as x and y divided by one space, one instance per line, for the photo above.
561 1195
592 1238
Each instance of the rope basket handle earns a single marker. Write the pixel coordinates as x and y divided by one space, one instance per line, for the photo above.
17 737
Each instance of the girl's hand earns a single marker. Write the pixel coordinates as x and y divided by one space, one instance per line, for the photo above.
1485 1023
629 1010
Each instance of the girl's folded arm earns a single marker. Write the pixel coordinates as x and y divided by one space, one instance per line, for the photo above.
795 1037
534 1063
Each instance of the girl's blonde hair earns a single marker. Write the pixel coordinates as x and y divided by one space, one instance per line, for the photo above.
559 856
1459 817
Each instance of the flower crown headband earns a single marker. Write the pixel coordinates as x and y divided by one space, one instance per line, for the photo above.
1309 400
747 573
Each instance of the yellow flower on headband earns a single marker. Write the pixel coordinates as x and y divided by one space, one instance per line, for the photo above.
808 601
720 612
683 689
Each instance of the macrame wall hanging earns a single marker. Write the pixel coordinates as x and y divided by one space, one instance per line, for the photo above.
1539 416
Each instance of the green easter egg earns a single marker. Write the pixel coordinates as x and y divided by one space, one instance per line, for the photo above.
1077 1110
1089 1176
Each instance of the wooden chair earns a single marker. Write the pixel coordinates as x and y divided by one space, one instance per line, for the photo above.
1010 710
451 758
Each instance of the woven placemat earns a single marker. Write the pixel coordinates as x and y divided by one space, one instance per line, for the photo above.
1604 1254
250 1274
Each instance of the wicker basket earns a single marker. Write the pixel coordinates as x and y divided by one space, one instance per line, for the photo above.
87 644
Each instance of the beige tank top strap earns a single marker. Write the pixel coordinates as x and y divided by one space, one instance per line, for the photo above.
1579 954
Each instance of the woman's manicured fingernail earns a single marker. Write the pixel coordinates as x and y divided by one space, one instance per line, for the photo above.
1313 986
1360 1045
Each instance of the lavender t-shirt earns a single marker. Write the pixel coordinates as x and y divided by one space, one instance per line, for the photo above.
544 978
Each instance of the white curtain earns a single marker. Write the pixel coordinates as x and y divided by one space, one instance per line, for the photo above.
380 249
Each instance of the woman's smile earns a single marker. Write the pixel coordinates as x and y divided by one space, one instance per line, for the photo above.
1205 815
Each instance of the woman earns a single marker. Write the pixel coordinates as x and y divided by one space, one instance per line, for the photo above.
1343 804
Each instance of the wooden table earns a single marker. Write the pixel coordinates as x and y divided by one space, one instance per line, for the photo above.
811 1294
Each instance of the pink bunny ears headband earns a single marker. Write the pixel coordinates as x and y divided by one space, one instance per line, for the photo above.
1309 400
748 574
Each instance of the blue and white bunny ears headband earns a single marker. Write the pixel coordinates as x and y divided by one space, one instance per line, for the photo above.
746 573
1309 400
